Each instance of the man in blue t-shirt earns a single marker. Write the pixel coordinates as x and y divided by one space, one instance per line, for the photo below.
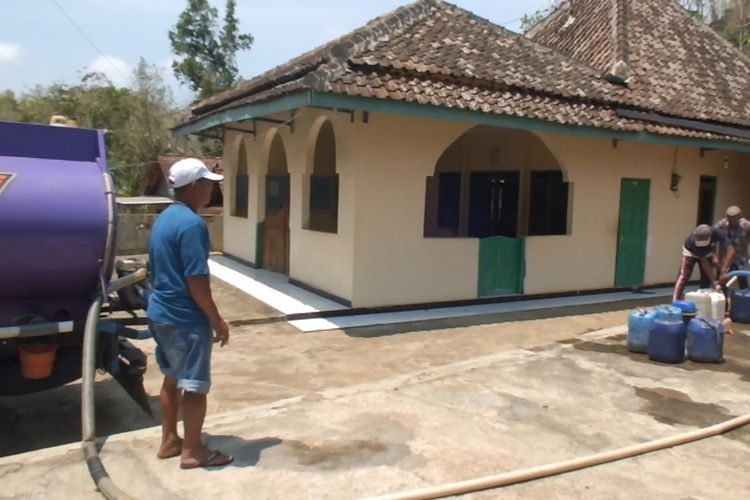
182 314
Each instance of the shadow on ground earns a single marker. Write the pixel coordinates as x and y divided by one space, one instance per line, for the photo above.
449 323
736 353
246 452
53 417
674 407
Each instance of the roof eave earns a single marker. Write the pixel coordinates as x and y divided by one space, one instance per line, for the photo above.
389 106
242 113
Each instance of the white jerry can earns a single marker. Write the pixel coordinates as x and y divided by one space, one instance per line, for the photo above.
710 303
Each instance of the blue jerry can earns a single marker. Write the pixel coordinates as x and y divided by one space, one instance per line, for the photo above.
705 340
666 341
639 323
739 311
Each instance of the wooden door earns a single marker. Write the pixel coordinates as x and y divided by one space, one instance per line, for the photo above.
276 225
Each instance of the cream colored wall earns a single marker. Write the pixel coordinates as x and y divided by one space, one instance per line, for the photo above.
585 258
734 180
379 255
322 260
240 232
394 263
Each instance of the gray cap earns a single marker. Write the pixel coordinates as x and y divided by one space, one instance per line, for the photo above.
734 211
703 235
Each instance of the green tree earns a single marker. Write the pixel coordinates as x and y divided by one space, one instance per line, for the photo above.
206 53
9 107
734 24
144 132
137 118
695 7
528 21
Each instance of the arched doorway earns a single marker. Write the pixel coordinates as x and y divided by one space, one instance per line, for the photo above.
500 186
276 222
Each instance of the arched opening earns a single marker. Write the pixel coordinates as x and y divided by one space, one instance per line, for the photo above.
241 183
323 199
496 182
498 185
276 223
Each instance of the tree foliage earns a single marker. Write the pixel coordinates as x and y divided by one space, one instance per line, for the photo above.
528 21
733 23
729 18
137 118
206 52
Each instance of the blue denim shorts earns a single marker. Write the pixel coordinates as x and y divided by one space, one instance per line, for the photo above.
184 353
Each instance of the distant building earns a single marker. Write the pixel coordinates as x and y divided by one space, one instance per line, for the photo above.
155 179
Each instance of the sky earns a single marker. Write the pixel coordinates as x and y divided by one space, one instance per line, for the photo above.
56 41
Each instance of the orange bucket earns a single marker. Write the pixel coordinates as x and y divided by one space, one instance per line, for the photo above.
37 360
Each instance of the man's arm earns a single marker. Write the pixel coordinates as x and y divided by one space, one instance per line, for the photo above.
200 291
728 259
705 264
194 245
729 255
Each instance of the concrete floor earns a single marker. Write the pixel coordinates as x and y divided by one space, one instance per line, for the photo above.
347 414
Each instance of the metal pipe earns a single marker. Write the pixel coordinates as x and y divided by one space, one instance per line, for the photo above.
53 328
36 330
109 246
115 328
128 280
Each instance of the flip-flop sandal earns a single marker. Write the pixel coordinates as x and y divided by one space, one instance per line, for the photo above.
214 459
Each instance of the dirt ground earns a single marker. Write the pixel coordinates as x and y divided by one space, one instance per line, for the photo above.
344 414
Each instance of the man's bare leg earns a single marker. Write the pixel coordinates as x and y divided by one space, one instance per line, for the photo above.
169 400
194 452
193 415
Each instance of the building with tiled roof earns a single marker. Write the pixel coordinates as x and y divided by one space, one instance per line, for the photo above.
674 65
434 156
155 178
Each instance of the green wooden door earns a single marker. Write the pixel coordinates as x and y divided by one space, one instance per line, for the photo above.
632 232
501 265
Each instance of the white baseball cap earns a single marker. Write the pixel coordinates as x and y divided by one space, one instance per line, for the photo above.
189 170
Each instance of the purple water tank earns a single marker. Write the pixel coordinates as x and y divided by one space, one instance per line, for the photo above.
56 221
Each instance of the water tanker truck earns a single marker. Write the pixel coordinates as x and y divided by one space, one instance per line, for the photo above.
57 258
